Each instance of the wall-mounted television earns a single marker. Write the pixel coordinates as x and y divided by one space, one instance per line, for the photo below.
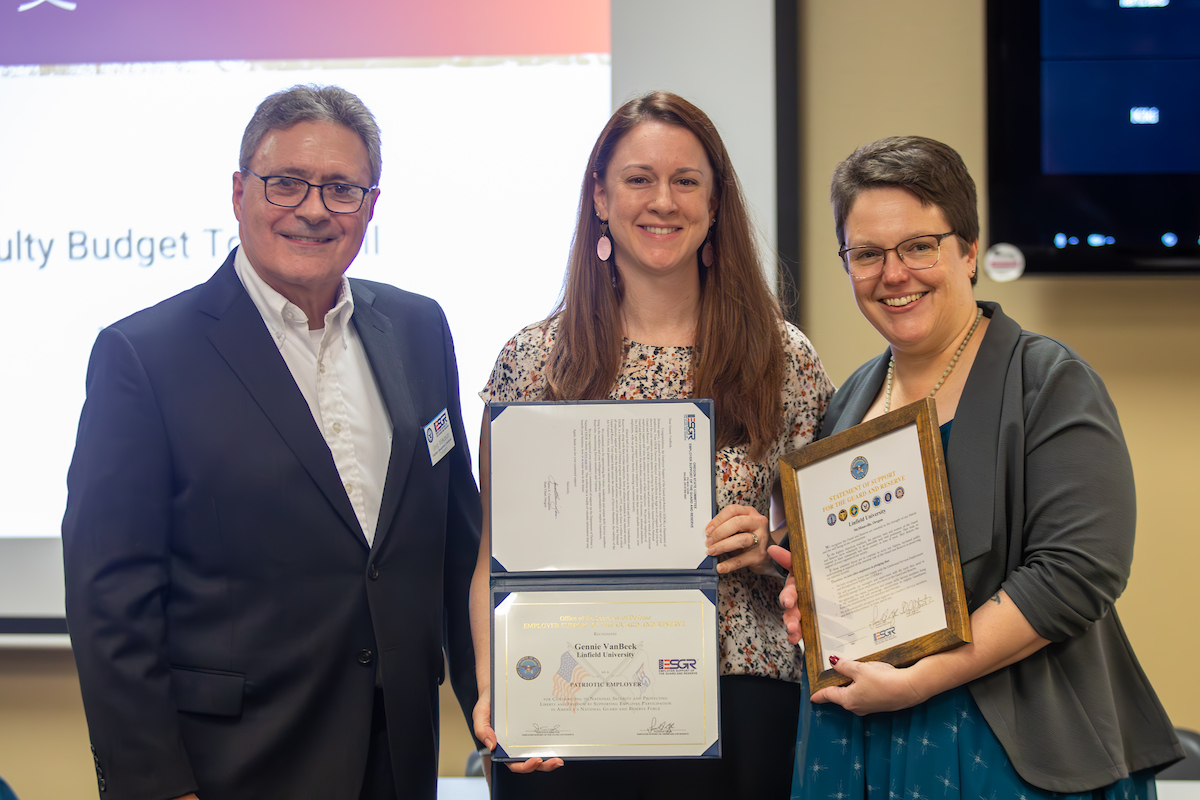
1094 134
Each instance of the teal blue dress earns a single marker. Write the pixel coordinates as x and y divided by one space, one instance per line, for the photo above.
941 749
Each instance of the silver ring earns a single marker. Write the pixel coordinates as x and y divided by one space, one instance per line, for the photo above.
755 535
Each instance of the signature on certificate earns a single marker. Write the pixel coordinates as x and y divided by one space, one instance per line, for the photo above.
885 616
910 607
881 617
550 495
660 727
545 728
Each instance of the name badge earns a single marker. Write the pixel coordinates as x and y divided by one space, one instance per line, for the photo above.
439 437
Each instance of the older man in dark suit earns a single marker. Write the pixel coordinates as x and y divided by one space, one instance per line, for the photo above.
272 523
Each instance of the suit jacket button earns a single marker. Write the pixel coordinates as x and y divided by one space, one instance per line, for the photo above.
373 572
365 657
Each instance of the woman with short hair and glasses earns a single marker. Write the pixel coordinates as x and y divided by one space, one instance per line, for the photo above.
665 298
1048 697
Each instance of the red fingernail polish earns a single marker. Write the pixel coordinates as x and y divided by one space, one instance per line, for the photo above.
833 660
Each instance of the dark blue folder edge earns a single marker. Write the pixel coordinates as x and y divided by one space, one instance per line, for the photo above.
703 578
706 406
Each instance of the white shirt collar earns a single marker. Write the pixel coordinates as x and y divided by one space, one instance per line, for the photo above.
282 316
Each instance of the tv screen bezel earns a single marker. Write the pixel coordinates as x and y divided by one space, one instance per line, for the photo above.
1131 208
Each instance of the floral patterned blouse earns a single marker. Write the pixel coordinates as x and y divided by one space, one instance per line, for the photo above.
753 638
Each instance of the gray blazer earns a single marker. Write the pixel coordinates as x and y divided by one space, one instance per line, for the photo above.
1044 508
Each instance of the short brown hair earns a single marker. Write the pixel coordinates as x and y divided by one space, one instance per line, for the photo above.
931 170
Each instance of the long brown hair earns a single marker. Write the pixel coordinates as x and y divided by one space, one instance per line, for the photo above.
738 354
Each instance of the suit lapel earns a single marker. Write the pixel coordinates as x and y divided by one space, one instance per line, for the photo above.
861 397
972 459
380 342
241 337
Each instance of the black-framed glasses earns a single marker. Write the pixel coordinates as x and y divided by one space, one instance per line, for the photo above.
289 192
919 252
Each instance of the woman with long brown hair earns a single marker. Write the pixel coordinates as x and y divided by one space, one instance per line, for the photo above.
665 298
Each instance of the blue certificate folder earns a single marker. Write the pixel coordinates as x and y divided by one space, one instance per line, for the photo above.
604 634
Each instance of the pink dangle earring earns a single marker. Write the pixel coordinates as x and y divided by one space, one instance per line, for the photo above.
604 244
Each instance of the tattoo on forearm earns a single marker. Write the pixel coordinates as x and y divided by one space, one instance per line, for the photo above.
995 598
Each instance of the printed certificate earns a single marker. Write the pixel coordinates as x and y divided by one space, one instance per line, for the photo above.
873 544
605 673
611 485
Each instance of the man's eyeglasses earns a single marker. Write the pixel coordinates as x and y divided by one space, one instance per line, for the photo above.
919 252
289 192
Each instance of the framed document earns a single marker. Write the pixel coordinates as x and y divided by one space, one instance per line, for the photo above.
603 485
873 545
598 671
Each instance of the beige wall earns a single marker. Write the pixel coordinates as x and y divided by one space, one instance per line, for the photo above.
874 68
43 738
870 68
43 735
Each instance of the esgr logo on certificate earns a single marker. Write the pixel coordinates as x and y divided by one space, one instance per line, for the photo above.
677 666
885 634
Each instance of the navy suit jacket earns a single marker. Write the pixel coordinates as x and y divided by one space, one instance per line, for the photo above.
227 615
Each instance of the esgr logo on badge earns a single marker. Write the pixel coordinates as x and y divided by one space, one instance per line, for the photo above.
678 666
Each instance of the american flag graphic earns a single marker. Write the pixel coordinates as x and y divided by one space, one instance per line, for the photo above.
566 680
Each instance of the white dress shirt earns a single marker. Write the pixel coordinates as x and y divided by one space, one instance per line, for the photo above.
330 366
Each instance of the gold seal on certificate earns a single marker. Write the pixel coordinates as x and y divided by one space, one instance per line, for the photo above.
873 544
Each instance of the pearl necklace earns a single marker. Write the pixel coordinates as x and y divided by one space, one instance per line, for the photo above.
887 396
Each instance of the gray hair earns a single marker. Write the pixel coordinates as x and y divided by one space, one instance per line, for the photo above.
932 171
313 103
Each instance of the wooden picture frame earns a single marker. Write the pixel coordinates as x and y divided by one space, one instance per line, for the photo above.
865 543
